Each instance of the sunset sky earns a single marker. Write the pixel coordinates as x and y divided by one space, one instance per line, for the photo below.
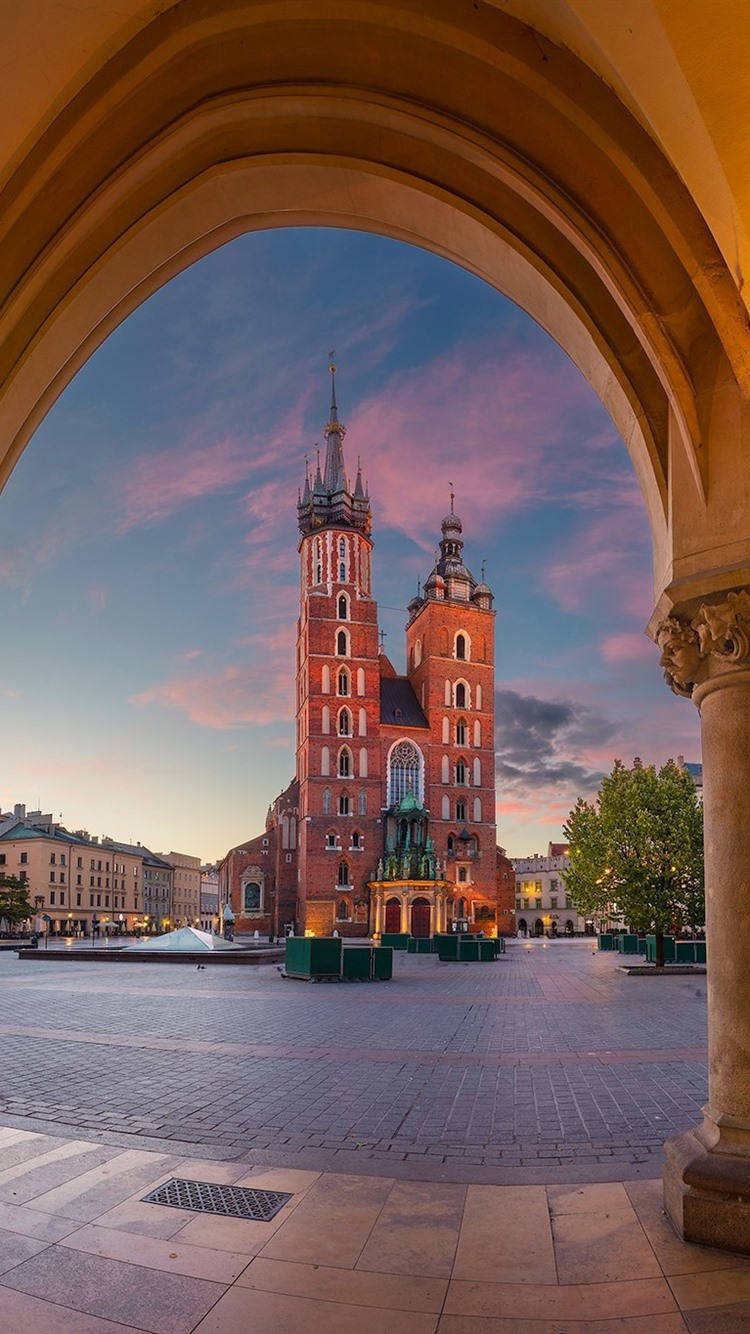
148 552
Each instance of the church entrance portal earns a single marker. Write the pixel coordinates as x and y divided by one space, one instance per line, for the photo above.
393 917
420 917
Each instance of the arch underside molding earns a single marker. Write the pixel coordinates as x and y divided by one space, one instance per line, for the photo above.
527 172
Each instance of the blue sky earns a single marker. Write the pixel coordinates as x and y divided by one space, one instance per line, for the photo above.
148 562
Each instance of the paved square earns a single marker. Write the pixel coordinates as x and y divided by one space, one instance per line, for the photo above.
548 1063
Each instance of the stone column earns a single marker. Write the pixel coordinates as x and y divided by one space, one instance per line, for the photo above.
707 1172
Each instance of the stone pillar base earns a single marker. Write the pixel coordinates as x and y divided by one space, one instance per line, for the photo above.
707 1193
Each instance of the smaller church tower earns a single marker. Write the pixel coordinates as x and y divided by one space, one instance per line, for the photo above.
450 664
338 695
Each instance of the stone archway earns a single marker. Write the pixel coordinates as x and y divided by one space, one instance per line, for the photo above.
464 131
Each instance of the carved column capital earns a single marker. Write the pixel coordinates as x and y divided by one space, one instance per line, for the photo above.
710 643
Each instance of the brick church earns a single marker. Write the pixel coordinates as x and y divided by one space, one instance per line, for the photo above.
389 824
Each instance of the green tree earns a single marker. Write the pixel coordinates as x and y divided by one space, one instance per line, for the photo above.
640 847
14 899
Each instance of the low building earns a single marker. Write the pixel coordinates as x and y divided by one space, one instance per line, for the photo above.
259 878
156 885
543 908
186 888
506 883
77 885
209 913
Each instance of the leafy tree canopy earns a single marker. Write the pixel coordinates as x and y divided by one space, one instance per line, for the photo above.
14 899
639 846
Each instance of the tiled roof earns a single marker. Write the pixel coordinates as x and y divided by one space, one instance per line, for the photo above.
21 830
138 850
399 706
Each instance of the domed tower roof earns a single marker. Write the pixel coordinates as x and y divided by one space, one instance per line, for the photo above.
434 584
451 523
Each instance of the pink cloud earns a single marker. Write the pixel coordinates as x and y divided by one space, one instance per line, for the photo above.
259 690
233 697
626 647
608 559
498 426
156 485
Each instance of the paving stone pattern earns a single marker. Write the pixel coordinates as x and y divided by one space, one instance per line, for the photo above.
549 1058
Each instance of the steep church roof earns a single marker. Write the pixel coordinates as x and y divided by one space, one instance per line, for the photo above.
399 706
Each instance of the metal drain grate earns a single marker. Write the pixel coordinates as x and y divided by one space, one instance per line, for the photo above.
206 1197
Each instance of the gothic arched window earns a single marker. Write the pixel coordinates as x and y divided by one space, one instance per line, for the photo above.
404 772
343 911
343 682
251 896
460 695
345 763
342 643
343 878
343 607
345 723
461 732
461 646
460 773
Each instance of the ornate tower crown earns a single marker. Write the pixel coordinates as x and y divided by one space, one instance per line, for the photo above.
330 502
449 579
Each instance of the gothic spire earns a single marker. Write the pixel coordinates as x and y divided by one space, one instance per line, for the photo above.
334 476
328 499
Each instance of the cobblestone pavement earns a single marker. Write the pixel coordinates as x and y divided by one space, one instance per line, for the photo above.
548 1061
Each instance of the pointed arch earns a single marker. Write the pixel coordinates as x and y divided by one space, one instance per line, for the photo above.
461 695
343 608
478 697
477 810
325 762
477 733
445 776
344 722
325 679
363 762
345 763
342 643
462 646
445 808
325 720
446 733
363 722
360 680
343 681
477 774
405 771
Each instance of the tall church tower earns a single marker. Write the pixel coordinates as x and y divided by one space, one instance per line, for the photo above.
338 694
450 664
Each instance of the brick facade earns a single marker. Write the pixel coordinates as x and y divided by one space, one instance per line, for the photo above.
393 806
